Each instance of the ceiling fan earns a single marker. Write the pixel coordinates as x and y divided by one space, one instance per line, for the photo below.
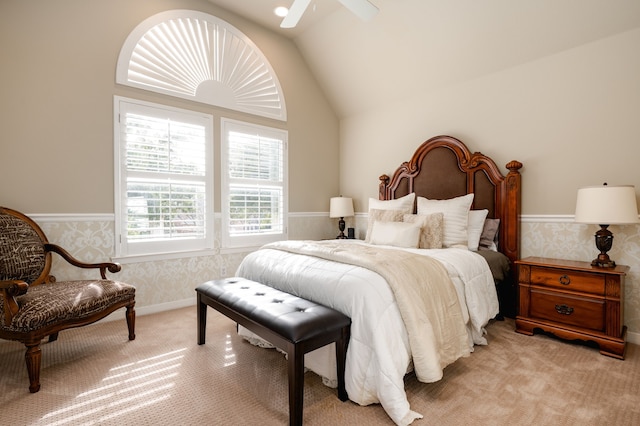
364 9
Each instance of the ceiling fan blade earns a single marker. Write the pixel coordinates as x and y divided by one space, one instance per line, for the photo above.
363 9
295 13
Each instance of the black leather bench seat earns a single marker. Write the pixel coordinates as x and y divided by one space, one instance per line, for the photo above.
293 324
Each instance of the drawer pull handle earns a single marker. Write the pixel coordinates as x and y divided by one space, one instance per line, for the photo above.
564 309
565 280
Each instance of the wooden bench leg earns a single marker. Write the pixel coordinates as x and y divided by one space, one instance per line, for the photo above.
202 320
341 358
295 367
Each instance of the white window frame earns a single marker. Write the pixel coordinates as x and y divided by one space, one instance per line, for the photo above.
168 247
258 239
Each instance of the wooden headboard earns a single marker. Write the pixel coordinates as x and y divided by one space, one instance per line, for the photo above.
443 167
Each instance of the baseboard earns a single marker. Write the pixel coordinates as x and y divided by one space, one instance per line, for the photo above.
153 309
147 310
633 338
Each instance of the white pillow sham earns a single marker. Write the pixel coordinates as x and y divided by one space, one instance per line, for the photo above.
397 234
403 203
376 215
456 217
475 226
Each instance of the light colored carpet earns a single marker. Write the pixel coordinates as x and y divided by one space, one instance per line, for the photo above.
94 375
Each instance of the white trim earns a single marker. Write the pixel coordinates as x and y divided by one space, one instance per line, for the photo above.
161 307
633 338
151 309
72 217
88 217
309 214
543 218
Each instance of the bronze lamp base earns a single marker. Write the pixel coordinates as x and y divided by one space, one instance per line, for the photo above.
604 242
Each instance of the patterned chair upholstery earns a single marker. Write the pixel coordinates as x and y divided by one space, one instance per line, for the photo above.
34 305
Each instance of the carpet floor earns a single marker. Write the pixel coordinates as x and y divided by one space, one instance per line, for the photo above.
94 376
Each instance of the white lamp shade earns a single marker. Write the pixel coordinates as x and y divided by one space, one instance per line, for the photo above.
341 207
607 205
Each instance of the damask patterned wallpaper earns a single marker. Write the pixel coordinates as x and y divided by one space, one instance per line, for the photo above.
569 240
167 284
160 284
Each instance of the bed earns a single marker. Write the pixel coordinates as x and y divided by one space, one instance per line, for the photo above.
404 318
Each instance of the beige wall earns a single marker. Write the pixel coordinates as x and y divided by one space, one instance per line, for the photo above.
57 83
573 119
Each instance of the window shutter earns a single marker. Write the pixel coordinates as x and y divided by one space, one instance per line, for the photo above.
256 187
164 177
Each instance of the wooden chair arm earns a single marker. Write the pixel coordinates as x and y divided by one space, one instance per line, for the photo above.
110 266
9 290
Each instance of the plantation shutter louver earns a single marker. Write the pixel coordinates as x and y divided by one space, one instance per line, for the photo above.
164 181
255 175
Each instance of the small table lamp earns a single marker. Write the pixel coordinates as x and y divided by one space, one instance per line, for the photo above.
341 207
606 205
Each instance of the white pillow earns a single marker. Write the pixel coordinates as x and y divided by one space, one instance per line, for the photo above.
456 217
403 203
475 226
398 234
376 215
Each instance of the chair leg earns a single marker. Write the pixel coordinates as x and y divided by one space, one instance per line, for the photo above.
33 356
131 322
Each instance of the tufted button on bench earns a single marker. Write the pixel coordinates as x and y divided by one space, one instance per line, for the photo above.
293 324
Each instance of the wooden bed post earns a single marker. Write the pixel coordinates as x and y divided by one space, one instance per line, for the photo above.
511 229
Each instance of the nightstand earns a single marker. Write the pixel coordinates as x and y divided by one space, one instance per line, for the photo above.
573 300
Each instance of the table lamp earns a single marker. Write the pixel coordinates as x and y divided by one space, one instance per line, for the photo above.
341 207
606 205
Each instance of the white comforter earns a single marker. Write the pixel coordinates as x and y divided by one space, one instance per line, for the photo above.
379 354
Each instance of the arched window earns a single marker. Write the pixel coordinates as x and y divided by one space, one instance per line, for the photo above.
196 56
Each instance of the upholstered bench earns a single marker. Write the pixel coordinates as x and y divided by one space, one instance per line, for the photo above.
293 324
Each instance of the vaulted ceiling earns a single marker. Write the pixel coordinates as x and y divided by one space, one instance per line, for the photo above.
418 46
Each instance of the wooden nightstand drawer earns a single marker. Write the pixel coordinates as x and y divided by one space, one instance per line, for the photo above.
568 280
578 311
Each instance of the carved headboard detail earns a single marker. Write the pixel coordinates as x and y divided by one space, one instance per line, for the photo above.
443 167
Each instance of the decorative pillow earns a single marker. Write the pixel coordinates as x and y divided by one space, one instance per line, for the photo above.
489 236
403 203
376 215
398 234
456 217
475 226
431 229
